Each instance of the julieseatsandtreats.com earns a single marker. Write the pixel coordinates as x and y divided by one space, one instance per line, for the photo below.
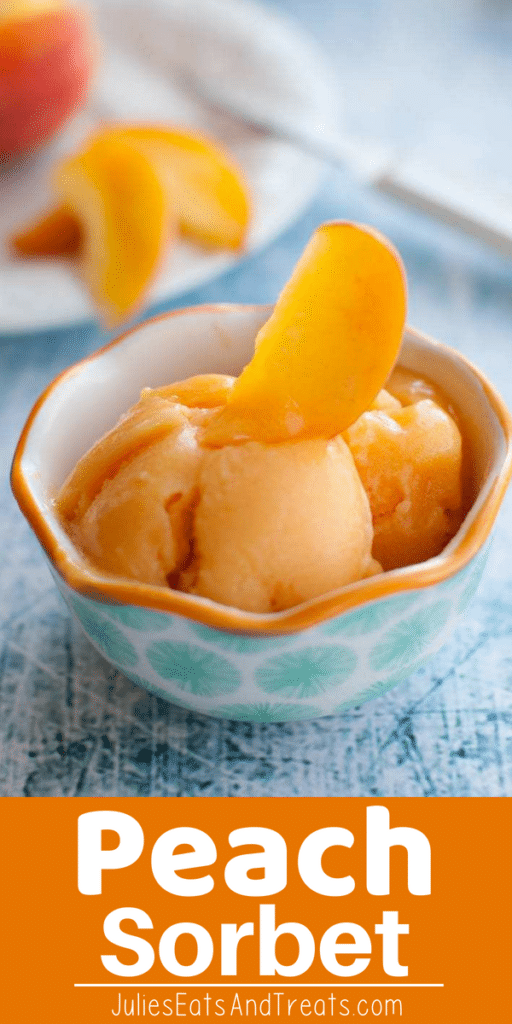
237 1005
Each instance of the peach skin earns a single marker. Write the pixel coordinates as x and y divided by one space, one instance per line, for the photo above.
328 347
47 56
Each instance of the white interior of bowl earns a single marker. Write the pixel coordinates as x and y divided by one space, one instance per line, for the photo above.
89 399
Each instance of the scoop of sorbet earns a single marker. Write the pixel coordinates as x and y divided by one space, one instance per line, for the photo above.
264 527
410 462
259 527
278 524
138 525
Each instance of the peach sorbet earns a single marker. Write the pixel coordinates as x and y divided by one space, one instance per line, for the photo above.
245 494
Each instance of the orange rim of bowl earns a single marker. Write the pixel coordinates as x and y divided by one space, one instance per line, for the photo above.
112 590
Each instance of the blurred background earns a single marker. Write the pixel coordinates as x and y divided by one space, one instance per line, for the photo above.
431 78
432 83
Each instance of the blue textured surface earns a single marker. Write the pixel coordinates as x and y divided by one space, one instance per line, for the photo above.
439 78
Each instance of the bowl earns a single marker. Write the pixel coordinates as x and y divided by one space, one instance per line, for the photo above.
318 658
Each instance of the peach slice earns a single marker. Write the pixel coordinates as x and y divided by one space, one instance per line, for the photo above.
328 347
205 188
57 234
118 199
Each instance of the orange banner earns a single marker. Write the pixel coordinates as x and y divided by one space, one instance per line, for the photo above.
267 909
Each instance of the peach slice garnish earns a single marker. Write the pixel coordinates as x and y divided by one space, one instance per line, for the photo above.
328 347
119 201
58 233
205 188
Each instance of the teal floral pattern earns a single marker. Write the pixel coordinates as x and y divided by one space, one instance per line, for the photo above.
237 641
370 618
470 590
405 642
473 580
268 712
111 640
307 672
325 670
158 691
377 689
139 618
193 669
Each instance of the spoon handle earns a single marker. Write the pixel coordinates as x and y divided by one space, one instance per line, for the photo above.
463 204
460 203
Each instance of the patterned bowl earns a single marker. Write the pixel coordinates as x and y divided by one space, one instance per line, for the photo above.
316 659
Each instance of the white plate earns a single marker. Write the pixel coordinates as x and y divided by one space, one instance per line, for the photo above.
234 38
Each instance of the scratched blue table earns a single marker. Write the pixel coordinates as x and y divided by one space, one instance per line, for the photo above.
439 81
